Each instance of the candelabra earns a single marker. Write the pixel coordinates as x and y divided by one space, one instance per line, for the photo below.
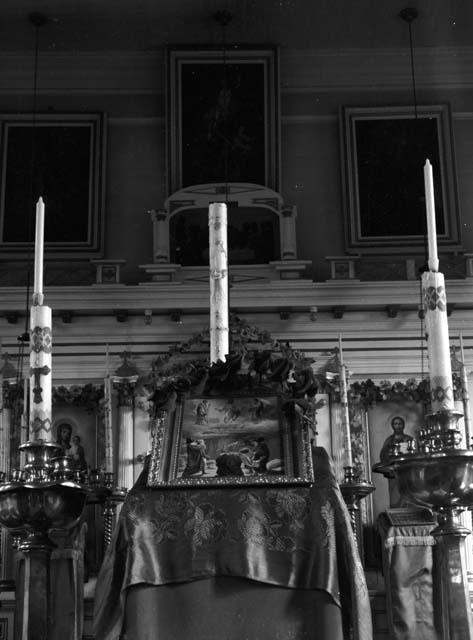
436 471
46 494
36 499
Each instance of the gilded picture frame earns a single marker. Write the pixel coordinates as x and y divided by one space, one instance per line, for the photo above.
230 440
222 116
383 151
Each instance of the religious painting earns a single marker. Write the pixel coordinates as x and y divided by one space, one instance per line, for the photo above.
389 421
75 431
385 150
60 158
233 440
222 116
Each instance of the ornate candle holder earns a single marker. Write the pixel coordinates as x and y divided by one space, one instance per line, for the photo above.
354 489
101 490
36 499
437 472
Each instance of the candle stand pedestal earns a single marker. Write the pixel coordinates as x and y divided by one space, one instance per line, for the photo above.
39 498
354 490
439 475
100 492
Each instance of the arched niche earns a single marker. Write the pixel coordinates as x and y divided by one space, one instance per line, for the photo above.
261 227
253 236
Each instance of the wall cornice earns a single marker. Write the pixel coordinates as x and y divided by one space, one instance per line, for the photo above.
295 294
377 344
142 72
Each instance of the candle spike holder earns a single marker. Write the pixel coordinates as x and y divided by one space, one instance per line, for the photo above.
437 472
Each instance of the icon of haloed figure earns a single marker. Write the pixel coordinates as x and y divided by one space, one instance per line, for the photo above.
397 438
196 457
78 454
71 445
63 437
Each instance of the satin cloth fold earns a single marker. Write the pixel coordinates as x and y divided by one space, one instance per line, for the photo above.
293 537
408 567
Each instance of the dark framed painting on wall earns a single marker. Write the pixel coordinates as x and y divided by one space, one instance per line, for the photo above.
223 118
231 440
61 158
384 150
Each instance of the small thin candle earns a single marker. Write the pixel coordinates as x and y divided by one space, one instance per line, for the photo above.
433 261
108 414
465 396
1 380
38 254
344 403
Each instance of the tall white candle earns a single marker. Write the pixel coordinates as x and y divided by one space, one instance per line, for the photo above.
218 262
345 409
438 343
40 387
38 253
433 260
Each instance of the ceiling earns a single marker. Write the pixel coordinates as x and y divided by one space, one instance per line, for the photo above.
147 25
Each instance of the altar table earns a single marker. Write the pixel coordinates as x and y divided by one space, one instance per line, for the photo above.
234 563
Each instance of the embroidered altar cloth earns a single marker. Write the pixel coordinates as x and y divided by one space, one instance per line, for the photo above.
294 537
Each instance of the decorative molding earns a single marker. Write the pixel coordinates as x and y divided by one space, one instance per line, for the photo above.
117 72
193 297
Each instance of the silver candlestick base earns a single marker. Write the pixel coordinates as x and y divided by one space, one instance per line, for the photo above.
36 499
439 475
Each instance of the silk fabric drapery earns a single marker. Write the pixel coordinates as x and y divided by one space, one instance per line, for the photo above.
293 537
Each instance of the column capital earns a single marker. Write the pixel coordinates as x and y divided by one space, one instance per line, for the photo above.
125 390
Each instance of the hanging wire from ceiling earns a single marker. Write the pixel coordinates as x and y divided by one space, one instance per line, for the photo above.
223 19
20 406
409 14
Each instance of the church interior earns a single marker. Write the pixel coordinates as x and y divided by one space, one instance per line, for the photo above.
236 276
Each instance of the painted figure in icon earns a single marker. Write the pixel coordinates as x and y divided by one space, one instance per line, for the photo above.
63 437
78 454
201 412
247 461
401 439
260 455
257 410
231 413
398 437
196 457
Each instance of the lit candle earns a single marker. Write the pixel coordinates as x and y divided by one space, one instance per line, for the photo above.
344 405
218 262
38 254
433 260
